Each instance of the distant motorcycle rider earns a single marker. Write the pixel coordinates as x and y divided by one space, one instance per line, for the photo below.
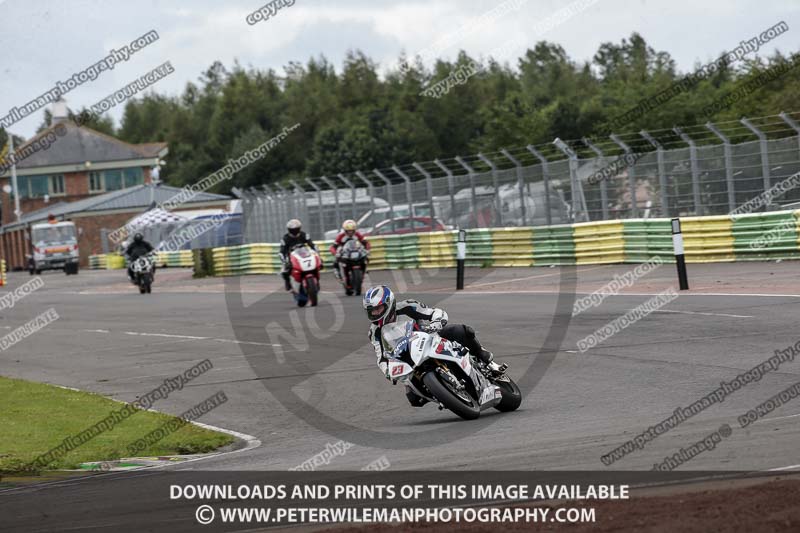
294 236
136 249
382 308
349 231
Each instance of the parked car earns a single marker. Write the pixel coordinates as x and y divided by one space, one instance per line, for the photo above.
403 225
374 216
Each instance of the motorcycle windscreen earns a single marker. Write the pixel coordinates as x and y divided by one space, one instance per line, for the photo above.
397 335
305 258
302 252
352 249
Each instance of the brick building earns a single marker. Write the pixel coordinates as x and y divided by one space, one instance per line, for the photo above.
96 216
91 178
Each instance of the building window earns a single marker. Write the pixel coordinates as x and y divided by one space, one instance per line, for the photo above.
133 176
57 185
113 180
95 182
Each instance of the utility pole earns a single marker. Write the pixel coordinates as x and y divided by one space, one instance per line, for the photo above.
11 154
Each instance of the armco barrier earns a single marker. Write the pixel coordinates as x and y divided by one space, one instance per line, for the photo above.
760 236
181 258
114 262
97 262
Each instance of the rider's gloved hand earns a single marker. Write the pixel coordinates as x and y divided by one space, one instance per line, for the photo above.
437 322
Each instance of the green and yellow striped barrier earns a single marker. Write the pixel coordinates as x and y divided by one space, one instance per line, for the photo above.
97 262
710 239
181 258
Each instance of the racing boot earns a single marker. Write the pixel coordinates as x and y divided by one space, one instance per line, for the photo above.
286 281
475 348
488 357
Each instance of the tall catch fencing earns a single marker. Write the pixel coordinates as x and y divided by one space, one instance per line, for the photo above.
700 170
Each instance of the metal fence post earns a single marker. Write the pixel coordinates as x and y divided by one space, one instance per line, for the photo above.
388 183
273 212
576 186
603 185
353 192
726 146
792 124
545 181
332 185
662 175
284 208
320 210
252 201
409 197
698 206
631 175
520 184
762 141
498 218
429 185
370 188
259 222
450 188
473 197
299 190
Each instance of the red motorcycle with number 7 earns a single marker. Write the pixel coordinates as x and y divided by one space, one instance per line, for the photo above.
304 276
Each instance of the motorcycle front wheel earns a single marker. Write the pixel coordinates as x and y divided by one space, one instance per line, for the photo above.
460 403
312 290
356 278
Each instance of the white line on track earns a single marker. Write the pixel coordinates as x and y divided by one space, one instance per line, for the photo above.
699 313
185 337
778 418
682 294
792 467
549 275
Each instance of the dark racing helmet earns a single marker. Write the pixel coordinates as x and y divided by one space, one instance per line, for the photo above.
380 305
138 237
293 227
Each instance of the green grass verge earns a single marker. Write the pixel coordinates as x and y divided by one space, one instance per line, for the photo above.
35 418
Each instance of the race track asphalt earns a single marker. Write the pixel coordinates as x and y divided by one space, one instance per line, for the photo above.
300 379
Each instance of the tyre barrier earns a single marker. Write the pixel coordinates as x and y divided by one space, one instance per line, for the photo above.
97 262
182 258
707 239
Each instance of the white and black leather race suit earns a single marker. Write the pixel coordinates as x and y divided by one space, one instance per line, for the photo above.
429 319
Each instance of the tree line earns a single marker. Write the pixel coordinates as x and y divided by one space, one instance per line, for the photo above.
361 117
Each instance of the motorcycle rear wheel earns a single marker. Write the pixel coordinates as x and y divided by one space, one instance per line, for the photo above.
447 398
512 397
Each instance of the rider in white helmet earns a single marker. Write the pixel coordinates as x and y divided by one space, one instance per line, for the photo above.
349 231
382 308
294 236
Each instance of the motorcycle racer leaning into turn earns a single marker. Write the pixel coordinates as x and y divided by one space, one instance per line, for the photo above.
382 308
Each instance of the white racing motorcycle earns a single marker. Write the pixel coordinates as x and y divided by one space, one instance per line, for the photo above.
445 373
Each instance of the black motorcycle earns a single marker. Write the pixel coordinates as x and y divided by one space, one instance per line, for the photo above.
143 269
353 266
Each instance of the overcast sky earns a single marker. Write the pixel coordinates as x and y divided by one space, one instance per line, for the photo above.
44 41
